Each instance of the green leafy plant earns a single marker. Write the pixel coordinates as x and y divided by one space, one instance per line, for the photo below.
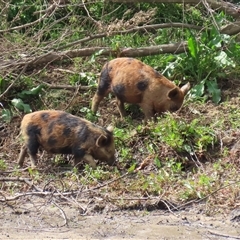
20 105
3 165
88 114
183 136
26 95
31 93
83 78
2 85
207 60
6 115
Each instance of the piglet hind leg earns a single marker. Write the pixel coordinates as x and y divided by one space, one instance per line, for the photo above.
121 109
22 156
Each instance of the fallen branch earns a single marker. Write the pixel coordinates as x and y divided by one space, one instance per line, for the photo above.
132 30
227 7
20 179
63 214
74 95
54 194
16 79
33 62
13 171
224 235
40 194
68 87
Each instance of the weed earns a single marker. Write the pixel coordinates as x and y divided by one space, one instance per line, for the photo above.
88 114
182 136
3 165
87 79
93 176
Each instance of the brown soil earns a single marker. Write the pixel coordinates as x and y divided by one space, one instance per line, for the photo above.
37 221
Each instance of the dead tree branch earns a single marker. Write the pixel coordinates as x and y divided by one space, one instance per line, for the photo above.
104 51
221 5
49 11
20 179
132 30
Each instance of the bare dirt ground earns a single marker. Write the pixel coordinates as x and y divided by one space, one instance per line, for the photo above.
29 222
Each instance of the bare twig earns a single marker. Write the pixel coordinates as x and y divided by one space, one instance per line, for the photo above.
12 171
63 214
20 179
169 209
18 77
68 87
105 51
89 14
224 235
74 95
48 13
132 30
204 198
107 183
56 194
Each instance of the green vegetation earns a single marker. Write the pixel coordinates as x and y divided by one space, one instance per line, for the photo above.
181 157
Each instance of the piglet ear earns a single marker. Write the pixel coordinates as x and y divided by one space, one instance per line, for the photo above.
185 88
173 93
101 141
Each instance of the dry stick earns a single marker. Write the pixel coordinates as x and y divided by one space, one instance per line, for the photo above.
131 30
13 171
41 193
49 11
64 215
64 70
26 180
200 200
223 235
35 229
73 200
168 208
29 194
68 87
107 183
74 95
89 14
9 87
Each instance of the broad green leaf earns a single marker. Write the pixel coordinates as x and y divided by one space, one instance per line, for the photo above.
223 60
98 53
198 90
213 89
34 91
157 162
215 43
132 168
6 115
19 104
193 48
